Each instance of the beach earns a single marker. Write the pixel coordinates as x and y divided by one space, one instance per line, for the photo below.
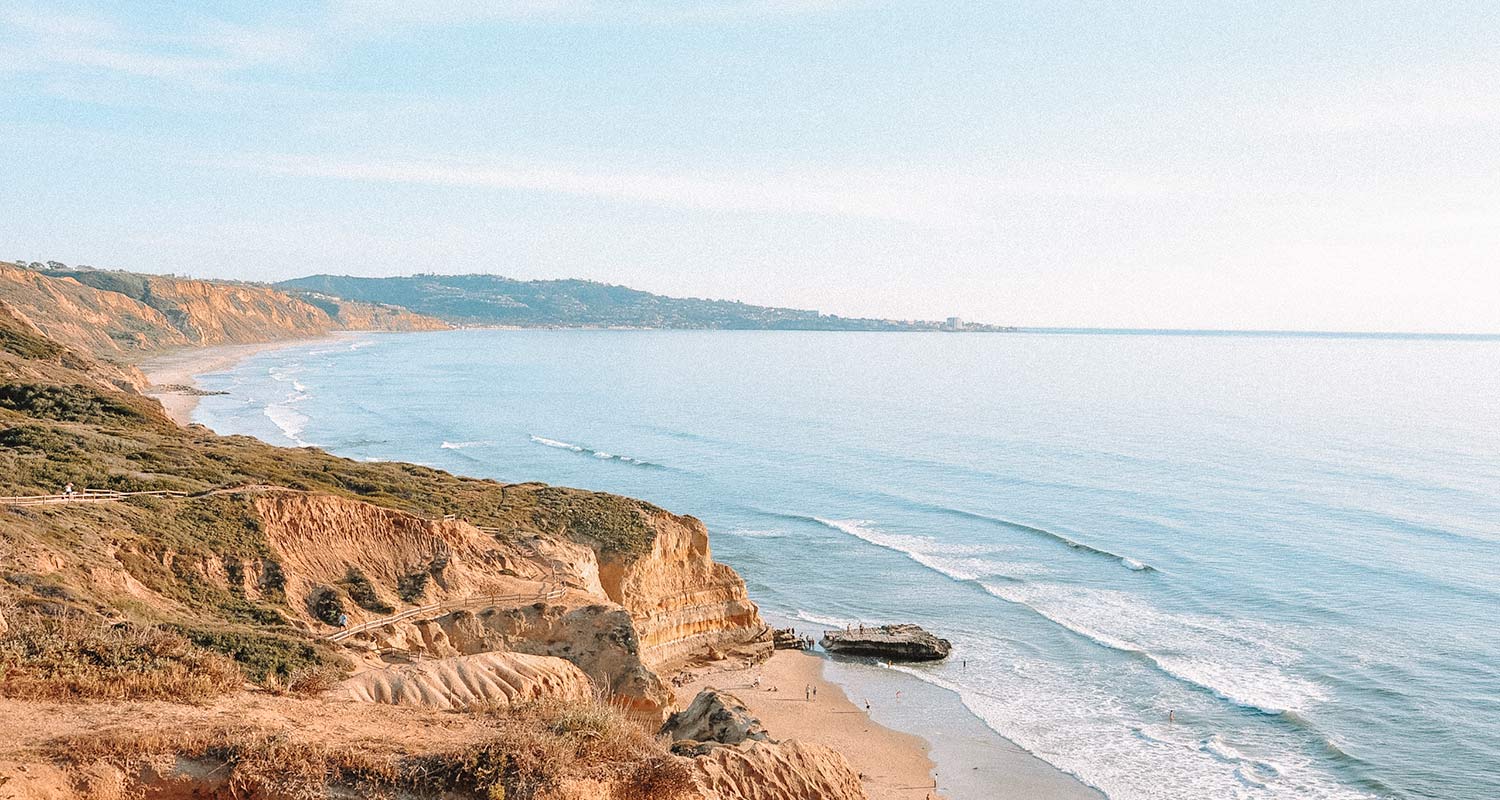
173 375
893 765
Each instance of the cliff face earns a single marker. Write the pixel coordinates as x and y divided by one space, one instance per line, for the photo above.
514 593
624 622
102 323
687 605
121 315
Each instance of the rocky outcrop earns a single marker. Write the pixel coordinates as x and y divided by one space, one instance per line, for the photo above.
789 639
684 602
488 680
892 642
717 717
765 771
623 621
404 559
600 638
733 756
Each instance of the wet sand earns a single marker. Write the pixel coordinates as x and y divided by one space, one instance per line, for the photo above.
893 765
171 371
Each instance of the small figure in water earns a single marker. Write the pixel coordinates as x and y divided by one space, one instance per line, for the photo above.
1171 715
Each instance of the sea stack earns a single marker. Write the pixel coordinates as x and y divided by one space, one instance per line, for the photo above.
891 642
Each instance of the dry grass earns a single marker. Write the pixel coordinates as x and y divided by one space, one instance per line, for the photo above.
306 681
526 754
73 658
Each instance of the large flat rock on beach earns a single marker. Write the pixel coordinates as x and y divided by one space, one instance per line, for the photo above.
891 642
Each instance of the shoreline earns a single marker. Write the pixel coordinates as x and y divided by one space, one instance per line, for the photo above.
967 761
181 368
893 764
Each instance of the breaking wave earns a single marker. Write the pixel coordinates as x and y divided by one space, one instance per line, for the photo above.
463 445
1130 563
1239 662
823 619
289 421
599 454
959 562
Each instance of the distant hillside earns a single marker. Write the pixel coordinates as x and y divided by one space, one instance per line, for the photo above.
494 300
122 315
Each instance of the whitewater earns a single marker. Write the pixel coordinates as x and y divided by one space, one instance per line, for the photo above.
1171 566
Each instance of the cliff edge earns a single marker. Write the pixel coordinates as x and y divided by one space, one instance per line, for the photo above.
292 597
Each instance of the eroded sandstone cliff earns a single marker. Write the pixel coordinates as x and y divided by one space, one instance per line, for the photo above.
122 315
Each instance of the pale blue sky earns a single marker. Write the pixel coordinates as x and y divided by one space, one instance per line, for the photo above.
1272 165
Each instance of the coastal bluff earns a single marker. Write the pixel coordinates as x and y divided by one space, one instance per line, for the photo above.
283 622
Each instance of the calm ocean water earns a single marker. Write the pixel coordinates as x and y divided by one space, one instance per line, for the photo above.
1290 543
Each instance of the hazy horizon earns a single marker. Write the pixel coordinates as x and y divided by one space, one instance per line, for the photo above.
1031 164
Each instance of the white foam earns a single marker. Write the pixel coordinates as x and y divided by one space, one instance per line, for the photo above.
1241 662
959 562
555 443
289 421
1132 564
463 445
824 619
599 454
757 533
1062 714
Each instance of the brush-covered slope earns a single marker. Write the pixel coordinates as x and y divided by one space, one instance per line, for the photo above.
550 615
260 541
495 300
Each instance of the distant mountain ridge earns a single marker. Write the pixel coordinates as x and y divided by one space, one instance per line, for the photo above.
496 300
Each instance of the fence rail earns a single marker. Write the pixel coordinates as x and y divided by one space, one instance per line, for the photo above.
84 496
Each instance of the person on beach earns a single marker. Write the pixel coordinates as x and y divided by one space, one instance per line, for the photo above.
807 693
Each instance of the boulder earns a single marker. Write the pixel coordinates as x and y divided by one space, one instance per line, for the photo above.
787 639
714 716
890 642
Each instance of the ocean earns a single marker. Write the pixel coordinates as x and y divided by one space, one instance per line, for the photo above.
1174 566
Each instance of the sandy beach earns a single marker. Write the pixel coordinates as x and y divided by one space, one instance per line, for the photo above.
893 765
172 375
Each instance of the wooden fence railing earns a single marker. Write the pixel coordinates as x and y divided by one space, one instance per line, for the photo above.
84 496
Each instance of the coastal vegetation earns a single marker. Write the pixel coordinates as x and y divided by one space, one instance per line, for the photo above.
496 300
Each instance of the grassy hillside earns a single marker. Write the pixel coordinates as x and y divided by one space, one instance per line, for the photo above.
494 300
160 562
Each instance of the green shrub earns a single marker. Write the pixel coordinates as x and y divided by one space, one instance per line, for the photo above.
76 657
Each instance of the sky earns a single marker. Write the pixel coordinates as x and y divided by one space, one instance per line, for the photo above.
1291 166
